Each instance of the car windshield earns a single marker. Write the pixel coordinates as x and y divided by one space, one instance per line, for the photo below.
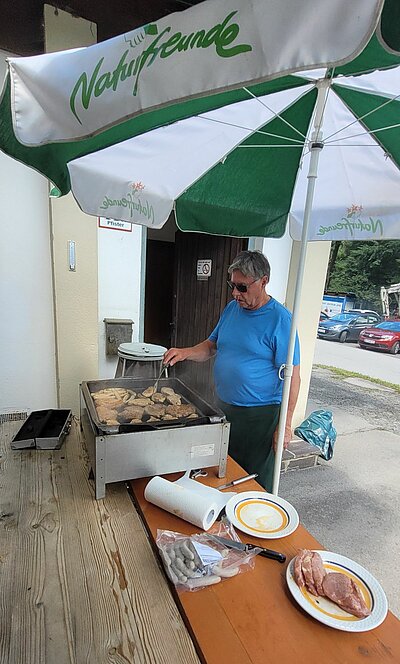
343 317
389 325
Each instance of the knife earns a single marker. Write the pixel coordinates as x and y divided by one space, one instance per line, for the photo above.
246 548
238 481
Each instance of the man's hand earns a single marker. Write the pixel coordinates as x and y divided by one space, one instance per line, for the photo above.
199 353
174 355
286 440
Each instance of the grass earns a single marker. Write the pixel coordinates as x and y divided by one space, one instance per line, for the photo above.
342 373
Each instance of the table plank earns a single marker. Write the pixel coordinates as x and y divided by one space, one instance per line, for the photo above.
252 618
79 580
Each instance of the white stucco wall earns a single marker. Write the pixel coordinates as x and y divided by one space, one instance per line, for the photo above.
27 350
283 255
310 306
120 285
75 292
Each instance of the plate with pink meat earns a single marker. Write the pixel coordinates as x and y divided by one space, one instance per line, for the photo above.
336 591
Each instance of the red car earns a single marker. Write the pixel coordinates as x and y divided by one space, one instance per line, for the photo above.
385 336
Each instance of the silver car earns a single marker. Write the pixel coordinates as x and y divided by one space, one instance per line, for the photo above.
346 326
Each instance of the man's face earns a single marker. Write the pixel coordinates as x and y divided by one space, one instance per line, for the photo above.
255 296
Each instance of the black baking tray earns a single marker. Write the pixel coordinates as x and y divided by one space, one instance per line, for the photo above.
43 430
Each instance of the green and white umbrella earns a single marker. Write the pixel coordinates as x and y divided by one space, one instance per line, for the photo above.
60 106
241 169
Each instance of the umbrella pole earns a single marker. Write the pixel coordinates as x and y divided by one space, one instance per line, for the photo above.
316 147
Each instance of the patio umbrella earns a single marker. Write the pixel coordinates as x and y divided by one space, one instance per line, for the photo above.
58 106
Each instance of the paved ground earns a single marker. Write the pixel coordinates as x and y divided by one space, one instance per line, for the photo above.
352 503
353 358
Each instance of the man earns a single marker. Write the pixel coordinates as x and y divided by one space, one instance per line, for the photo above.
250 342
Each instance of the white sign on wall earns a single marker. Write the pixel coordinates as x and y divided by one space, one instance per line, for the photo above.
115 224
204 269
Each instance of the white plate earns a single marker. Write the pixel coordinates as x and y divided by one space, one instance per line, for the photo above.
331 614
262 514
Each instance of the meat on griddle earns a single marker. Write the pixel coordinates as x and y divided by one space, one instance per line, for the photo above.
183 410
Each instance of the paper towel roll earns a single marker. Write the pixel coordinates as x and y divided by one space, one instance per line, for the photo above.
188 505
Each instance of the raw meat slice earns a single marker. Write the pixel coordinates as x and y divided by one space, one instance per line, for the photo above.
306 567
318 572
343 591
297 571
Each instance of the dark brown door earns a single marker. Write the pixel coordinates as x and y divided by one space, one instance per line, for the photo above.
159 292
198 303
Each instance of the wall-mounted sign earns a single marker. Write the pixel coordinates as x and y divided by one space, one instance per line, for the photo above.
204 269
115 225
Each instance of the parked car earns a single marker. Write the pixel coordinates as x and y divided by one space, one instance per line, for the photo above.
346 326
384 336
364 311
323 316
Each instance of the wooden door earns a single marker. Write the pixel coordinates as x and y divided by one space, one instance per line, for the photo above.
198 304
159 292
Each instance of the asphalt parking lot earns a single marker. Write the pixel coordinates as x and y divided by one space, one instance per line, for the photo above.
352 503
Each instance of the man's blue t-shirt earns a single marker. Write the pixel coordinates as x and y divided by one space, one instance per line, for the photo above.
251 347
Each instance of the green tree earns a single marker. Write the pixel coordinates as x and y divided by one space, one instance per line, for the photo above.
363 267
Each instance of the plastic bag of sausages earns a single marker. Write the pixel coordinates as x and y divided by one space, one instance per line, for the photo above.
201 560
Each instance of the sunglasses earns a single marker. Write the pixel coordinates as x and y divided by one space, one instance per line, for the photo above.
242 288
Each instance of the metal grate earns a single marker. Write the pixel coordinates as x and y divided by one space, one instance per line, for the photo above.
13 417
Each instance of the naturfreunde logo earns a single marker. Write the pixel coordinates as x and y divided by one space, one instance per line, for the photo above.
352 222
222 35
136 206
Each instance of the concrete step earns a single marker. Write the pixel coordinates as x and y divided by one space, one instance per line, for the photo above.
299 455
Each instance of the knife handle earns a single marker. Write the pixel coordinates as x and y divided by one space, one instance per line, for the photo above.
268 553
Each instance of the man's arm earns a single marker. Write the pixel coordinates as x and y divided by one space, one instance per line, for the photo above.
199 353
293 395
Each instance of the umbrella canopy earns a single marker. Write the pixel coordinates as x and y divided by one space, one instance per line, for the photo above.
239 170
128 85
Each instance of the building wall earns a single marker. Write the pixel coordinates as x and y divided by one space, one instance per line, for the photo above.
310 306
27 349
283 255
120 286
75 292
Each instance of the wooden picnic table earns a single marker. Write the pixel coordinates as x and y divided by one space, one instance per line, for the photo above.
252 618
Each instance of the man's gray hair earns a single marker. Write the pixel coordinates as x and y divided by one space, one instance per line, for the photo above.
251 264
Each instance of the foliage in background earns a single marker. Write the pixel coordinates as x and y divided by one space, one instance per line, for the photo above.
363 267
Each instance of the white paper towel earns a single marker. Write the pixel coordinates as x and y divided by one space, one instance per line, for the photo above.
201 510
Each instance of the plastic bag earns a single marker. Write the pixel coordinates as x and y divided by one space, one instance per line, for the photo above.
318 430
196 561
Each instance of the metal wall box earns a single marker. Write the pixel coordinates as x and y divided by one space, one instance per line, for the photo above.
116 455
118 331
43 430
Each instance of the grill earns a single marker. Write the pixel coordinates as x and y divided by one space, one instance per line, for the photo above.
129 451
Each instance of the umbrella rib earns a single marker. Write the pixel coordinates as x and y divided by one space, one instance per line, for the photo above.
366 133
253 131
353 145
273 145
277 115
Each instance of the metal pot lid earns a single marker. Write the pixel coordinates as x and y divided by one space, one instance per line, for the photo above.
138 349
